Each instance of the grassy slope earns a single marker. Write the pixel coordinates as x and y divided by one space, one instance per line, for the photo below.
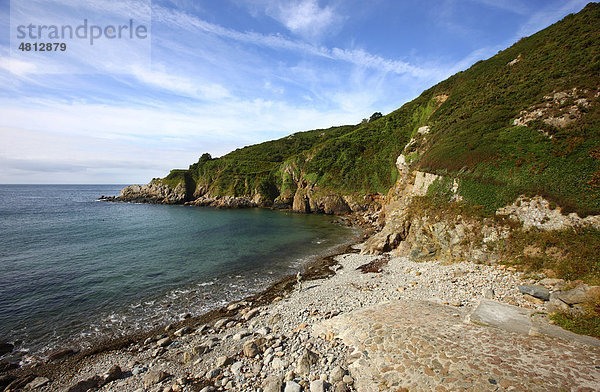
473 132
472 136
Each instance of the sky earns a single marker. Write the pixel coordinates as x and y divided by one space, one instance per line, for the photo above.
213 76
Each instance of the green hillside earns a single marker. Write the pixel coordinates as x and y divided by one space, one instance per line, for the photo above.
554 150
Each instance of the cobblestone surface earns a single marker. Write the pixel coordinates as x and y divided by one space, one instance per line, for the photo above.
423 346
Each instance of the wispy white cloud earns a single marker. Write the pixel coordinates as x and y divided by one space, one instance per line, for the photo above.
304 17
179 84
358 57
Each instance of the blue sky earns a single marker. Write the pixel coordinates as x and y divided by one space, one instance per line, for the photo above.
219 75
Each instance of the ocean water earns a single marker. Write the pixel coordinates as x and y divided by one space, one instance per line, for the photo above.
74 270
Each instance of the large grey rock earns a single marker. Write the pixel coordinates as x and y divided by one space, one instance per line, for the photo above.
579 295
279 364
341 387
514 319
292 386
556 305
535 291
251 314
503 316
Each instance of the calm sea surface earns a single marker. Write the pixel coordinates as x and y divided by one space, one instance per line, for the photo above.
73 269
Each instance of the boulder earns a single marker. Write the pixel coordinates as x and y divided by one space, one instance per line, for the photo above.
556 305
279 364
341 387
535 291
251 314
221 323
329 204
579 294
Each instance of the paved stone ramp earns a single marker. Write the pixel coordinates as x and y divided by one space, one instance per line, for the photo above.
423 346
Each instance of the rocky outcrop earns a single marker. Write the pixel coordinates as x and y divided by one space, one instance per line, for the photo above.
307 199
575 300
558 110
537 213
224 202
154 193
431 237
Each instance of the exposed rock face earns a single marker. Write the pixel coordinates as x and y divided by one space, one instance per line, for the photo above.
431 237
422 182
306 200
559 109
301 201
537 213
154 193
224 202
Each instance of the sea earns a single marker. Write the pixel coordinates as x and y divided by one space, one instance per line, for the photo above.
75 271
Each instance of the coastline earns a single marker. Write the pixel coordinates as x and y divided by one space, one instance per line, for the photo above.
323 334
67 361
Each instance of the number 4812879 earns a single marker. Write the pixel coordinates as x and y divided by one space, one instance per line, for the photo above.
42 47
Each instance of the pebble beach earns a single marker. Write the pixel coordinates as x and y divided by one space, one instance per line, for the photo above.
340 333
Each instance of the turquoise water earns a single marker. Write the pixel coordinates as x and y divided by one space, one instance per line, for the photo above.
74 270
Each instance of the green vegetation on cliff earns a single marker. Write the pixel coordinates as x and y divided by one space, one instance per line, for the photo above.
549 82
